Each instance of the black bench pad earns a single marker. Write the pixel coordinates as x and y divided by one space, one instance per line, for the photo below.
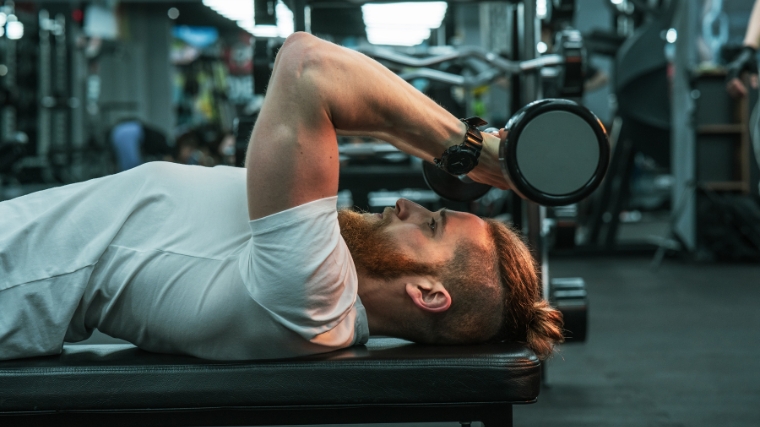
384 372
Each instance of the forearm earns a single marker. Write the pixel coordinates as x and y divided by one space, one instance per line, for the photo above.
319 90
361 97
752 37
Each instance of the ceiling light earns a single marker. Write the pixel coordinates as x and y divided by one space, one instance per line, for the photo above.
398 37
235 10
14 30
242 12
671 36
424 14
402 24
284 27
541 9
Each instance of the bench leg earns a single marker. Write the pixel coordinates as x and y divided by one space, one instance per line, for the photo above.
502 418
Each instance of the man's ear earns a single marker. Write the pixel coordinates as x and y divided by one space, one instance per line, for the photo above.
428 294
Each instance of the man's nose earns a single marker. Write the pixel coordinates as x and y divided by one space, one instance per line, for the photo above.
406 208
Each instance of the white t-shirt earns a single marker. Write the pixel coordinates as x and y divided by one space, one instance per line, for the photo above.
164 256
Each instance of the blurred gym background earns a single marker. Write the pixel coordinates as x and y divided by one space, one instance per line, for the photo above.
93 88
661 258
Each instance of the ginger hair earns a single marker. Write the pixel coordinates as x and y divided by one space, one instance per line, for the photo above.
496 296
527 317
494 288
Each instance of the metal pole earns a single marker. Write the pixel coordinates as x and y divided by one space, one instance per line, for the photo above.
529 92
683 148
299 15
307 18
529 88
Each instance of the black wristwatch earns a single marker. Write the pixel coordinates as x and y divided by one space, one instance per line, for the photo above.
462 158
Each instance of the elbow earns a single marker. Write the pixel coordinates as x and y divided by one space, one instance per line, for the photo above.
302 53
298 52
299 39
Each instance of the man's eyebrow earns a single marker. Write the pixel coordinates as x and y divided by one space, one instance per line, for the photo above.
443 220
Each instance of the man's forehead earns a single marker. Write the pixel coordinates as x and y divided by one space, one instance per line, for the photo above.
465 216
467 225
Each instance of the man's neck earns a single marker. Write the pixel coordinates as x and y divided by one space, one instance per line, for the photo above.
383 303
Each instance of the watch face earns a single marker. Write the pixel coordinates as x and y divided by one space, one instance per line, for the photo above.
460 163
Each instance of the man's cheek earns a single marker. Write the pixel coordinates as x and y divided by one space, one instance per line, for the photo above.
409 240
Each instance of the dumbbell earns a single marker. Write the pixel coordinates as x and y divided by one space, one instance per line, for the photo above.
556 153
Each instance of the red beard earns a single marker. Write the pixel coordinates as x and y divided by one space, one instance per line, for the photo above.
373 250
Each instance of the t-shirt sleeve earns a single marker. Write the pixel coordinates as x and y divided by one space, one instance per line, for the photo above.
298 267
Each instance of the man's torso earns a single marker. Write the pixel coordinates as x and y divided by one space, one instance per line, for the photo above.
157 255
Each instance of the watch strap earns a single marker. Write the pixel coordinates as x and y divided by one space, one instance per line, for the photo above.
471 146
473 137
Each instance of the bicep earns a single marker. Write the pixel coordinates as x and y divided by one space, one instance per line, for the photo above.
293 155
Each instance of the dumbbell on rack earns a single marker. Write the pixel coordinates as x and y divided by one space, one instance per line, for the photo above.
555 153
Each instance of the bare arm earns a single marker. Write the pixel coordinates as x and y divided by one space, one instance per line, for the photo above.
746 61
319 90
752 37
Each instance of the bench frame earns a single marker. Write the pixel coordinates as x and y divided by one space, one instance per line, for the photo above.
490 414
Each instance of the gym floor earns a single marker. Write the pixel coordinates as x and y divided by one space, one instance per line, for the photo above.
676 346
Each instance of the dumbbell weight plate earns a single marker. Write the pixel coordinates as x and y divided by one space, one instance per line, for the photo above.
556 152
451 187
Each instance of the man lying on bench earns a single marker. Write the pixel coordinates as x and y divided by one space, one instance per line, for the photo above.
228 263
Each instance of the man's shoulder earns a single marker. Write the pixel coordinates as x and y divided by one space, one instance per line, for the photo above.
318 216
162 166
168 172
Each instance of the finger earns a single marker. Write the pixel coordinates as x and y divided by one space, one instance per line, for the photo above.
741 90
736 88
753 81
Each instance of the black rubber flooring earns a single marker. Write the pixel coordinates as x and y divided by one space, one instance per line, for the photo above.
677 346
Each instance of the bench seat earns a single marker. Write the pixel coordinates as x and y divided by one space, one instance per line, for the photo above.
388 380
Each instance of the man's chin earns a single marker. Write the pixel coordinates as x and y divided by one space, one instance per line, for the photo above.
372 249
377 220
373 217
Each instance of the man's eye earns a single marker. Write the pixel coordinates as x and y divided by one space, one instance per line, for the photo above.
432 224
